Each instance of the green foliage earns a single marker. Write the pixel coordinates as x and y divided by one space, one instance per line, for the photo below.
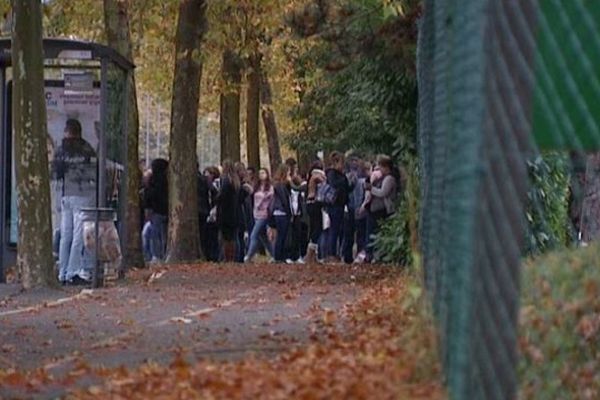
560 326
396 242
366 106
392 243
359 92
547 209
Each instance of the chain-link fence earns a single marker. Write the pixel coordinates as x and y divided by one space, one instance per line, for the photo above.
501 82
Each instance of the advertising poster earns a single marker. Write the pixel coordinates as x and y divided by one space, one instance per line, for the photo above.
63 104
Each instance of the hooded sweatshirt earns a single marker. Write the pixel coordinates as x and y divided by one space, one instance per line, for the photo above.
75 167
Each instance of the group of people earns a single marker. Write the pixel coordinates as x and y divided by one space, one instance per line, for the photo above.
329 214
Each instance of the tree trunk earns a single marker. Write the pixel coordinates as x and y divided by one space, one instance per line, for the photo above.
34 260
230 107
116 23
305 158
268 116
183 242
590 214
253 113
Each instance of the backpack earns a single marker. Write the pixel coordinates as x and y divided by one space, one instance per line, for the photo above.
326 194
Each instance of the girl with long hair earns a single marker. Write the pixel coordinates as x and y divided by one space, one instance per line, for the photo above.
281 210
244 212
316 177
263 196
156 202
228 205
381 194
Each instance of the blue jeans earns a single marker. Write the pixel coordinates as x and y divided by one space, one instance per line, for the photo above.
282 224
72 258
147 232
158 243
259 234
336 216
249 229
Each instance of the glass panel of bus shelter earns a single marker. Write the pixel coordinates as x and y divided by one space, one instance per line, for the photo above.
74 125
114 136
73 101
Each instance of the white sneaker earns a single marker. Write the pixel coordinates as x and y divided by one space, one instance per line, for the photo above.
300 261
289 261
360 258
247 259
84 274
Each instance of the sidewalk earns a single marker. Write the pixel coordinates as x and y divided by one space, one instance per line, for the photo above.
204 312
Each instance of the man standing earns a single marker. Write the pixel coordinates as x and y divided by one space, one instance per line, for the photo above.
75 168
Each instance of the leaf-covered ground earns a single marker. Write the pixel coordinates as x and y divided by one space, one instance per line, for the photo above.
207 331
560 326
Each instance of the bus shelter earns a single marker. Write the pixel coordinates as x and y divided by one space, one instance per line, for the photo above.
84 82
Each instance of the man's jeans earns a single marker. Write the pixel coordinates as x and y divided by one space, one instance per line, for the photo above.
147 235
73 259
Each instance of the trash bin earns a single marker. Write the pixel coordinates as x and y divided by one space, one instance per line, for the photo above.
106 251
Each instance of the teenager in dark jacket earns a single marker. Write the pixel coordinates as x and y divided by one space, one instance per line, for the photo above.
244 212
296 243
206 195
281 210
209 233
228 208
339 182
156 203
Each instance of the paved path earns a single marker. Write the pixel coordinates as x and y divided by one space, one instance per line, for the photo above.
204 311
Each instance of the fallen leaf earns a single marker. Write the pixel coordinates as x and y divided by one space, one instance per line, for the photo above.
156 276
329 317
181 320
588 326
8 348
